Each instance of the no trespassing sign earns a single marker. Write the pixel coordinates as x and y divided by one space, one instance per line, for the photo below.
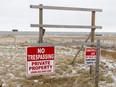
40 60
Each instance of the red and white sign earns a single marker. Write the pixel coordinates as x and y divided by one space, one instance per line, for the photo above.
90 55
40 60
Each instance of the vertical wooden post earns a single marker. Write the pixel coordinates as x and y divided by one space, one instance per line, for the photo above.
93 29
97 64
92 33
40 22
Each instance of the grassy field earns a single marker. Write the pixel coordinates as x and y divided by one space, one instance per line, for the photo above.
13 65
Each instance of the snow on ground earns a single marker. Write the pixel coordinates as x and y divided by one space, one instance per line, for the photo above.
111 68
13 69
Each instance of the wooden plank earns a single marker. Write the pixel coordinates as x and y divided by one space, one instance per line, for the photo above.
65 8
64 26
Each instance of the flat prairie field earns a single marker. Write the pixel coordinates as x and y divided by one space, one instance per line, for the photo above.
13 63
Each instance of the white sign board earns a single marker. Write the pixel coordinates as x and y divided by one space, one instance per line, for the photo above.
90 55
40 60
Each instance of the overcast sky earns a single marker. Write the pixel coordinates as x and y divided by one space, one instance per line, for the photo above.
16 14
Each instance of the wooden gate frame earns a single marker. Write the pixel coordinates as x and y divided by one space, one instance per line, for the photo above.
41 25
93 27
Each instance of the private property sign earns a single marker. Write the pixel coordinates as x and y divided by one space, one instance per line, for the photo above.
40 60
90 55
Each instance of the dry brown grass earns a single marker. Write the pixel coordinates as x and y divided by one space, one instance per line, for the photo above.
79 78
23 44
109 54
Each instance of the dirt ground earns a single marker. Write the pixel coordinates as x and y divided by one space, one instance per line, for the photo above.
13 64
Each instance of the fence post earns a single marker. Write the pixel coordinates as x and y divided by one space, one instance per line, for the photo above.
92 33
97 64
40 22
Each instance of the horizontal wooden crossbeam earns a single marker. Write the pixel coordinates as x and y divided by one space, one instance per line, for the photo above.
64 26
64 8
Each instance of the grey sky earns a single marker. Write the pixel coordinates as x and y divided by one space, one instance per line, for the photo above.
16 14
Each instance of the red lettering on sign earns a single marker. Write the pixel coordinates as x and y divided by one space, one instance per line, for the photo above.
40 60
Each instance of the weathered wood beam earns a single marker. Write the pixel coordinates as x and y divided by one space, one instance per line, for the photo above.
64 8
64 26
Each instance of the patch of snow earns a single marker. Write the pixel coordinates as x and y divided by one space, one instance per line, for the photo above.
35 81
74 71
111 65
11 75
